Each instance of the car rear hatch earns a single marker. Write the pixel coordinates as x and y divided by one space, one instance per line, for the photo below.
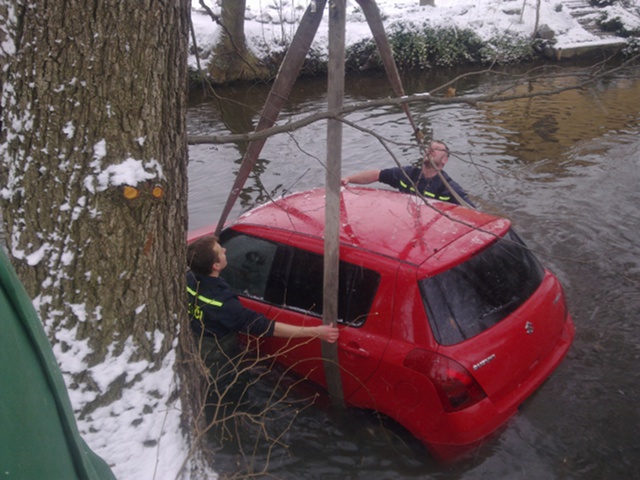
511 359
502 317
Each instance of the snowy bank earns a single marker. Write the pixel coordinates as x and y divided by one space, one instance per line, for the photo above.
271 24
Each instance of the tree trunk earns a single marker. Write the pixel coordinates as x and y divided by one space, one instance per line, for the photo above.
232 60
95 200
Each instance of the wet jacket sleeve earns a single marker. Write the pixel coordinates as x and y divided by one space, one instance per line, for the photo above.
391 177
244 320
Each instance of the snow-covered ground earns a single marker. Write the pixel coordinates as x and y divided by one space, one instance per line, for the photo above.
269 24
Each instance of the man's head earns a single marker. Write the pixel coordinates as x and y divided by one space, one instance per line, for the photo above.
205 256
437 154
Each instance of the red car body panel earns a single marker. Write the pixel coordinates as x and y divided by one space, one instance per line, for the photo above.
406 239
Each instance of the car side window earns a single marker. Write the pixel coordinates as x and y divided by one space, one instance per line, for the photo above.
356 290
304 285
293 278
358 286
249 263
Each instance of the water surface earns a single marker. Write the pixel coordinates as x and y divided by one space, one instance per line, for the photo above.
565 170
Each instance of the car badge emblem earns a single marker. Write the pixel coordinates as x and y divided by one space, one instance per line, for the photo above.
484 362
528 327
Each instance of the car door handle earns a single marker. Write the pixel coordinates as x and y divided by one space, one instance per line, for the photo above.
354 349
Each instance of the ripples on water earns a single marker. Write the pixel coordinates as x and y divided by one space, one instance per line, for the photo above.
565 170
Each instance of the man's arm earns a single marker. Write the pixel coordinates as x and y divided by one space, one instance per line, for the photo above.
362 178
328 333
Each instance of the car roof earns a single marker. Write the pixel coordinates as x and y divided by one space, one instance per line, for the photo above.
388 223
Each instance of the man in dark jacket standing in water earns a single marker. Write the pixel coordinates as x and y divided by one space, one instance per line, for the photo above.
216 314
424 180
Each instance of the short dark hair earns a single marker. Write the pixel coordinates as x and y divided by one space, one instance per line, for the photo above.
201 256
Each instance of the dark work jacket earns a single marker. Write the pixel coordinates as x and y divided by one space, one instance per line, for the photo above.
214 307
432 187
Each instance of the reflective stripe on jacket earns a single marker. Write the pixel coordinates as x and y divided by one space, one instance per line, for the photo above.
216 309
426 193
203 299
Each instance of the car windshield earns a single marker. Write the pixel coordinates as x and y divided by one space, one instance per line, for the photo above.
473 296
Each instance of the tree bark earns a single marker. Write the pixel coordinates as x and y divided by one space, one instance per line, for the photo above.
95 196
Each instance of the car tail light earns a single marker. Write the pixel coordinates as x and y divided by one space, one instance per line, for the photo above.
455 385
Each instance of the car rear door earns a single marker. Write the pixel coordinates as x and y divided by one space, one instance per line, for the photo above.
366 330
366 297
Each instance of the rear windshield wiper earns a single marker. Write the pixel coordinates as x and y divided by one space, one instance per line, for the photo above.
498 308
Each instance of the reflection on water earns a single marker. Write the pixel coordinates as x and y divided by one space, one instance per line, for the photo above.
537 128
565 170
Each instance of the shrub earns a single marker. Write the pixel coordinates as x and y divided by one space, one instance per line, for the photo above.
616 25
363 55
632 48
602 3
427 47
410 49
609 3
509 48
423 47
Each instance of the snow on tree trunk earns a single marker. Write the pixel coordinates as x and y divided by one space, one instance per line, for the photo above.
94 206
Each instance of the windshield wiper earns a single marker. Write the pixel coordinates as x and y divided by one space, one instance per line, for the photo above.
498 308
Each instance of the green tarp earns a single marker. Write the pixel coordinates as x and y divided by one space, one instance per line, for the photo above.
39 437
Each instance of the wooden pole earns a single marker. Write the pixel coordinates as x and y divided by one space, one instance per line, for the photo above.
372 14
335 94
287 75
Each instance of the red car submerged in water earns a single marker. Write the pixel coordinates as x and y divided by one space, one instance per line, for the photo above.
447 321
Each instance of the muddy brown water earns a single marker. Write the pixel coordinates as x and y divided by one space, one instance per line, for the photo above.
565 170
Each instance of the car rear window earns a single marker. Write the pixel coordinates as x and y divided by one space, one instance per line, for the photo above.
477 294
293 278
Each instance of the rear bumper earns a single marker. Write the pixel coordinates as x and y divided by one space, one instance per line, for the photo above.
460 432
